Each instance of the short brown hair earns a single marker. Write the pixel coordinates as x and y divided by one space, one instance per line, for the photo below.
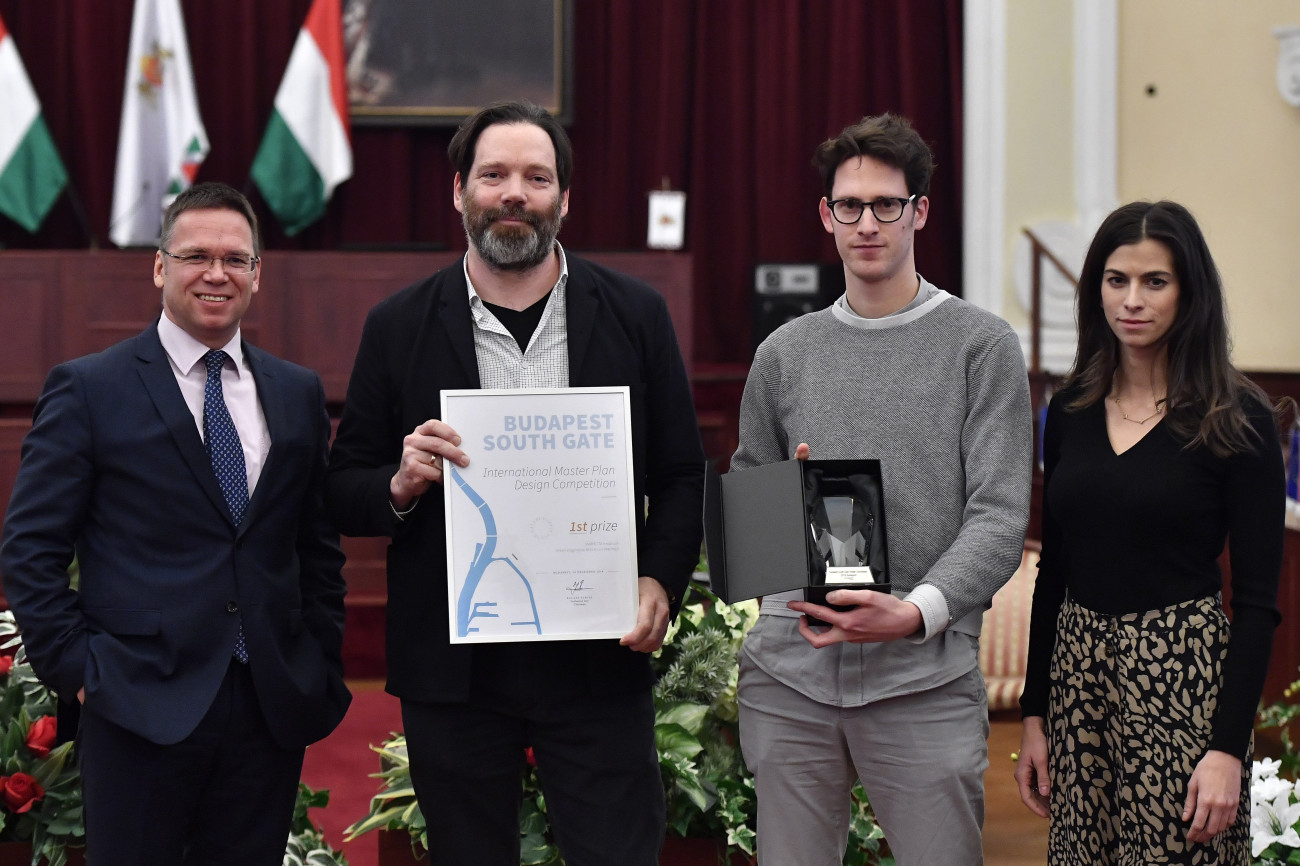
210 196
886 137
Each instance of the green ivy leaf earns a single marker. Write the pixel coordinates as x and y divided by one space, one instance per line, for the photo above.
673 739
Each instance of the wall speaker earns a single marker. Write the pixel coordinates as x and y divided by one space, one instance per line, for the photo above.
783 292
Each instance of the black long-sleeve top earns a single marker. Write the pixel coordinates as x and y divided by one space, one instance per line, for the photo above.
1142 530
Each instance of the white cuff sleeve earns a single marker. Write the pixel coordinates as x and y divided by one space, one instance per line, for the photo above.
401 515
934 611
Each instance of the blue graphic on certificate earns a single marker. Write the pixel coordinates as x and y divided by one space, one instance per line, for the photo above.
499 599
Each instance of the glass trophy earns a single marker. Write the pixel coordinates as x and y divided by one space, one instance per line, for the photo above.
846 532
841 529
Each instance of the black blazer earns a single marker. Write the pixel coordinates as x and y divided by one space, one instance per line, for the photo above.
419 342
114 467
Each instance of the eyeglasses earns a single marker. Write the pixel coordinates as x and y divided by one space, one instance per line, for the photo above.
886 210
236 264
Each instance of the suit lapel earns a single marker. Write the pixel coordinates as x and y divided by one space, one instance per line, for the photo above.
581 304
453 316
160 382
271 396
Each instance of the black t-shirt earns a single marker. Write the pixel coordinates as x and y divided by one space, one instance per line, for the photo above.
520 323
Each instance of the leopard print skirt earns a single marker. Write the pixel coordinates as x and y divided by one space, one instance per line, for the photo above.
1130 714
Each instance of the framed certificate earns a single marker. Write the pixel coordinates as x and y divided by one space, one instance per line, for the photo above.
541 531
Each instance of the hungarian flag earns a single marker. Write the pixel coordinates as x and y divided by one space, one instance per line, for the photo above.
162 141
306 152
31 173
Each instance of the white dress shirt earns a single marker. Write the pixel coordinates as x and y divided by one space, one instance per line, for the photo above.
501 363
186 356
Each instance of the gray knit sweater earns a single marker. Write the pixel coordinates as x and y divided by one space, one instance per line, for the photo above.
938 393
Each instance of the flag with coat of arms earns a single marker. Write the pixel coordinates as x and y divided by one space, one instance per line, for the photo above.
162 141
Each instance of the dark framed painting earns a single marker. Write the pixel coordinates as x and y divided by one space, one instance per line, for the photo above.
437 61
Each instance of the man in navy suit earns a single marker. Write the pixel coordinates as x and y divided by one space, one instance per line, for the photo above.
184 469
519 312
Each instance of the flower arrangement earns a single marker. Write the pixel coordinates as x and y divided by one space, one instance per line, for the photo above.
1274 814
709 791
40 789
1274 803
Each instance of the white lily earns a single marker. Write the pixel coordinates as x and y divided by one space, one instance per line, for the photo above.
1265 768
1269 789
1273 821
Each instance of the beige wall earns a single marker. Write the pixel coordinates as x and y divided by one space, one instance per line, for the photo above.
1217 137
1040 127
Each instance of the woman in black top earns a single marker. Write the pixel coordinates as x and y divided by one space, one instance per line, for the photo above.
1138 704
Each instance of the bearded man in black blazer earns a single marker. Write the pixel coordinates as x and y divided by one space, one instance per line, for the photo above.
184 468
518 311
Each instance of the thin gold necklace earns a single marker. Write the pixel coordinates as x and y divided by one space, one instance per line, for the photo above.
1160 410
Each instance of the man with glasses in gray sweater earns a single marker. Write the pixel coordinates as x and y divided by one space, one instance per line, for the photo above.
934 388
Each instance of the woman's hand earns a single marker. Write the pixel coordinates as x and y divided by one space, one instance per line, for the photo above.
1031 767
1213 796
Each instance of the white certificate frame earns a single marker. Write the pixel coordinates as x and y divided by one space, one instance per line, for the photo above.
541 525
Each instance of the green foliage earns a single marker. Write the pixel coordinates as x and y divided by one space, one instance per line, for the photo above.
536 847
709 791
866 840
394 807
1281 715
306 845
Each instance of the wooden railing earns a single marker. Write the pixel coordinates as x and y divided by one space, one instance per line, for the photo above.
1040 252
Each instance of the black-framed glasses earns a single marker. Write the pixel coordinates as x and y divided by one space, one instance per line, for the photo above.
886 210
236 263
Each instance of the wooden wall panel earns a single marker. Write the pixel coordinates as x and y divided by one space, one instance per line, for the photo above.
29 322
1284 666
105 297
310 306
12 431
327 299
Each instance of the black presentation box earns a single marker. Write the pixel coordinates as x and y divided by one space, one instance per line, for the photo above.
767 529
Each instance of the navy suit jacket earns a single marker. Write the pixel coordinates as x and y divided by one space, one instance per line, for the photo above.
114 469
419 342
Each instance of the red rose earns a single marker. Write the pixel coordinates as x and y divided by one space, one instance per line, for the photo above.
528 756
41 736
20 792
6 665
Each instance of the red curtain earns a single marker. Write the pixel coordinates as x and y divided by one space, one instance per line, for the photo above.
726 99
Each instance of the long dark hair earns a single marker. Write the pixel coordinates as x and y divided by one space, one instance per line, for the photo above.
1203 401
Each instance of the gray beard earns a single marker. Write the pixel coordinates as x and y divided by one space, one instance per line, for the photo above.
509 249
